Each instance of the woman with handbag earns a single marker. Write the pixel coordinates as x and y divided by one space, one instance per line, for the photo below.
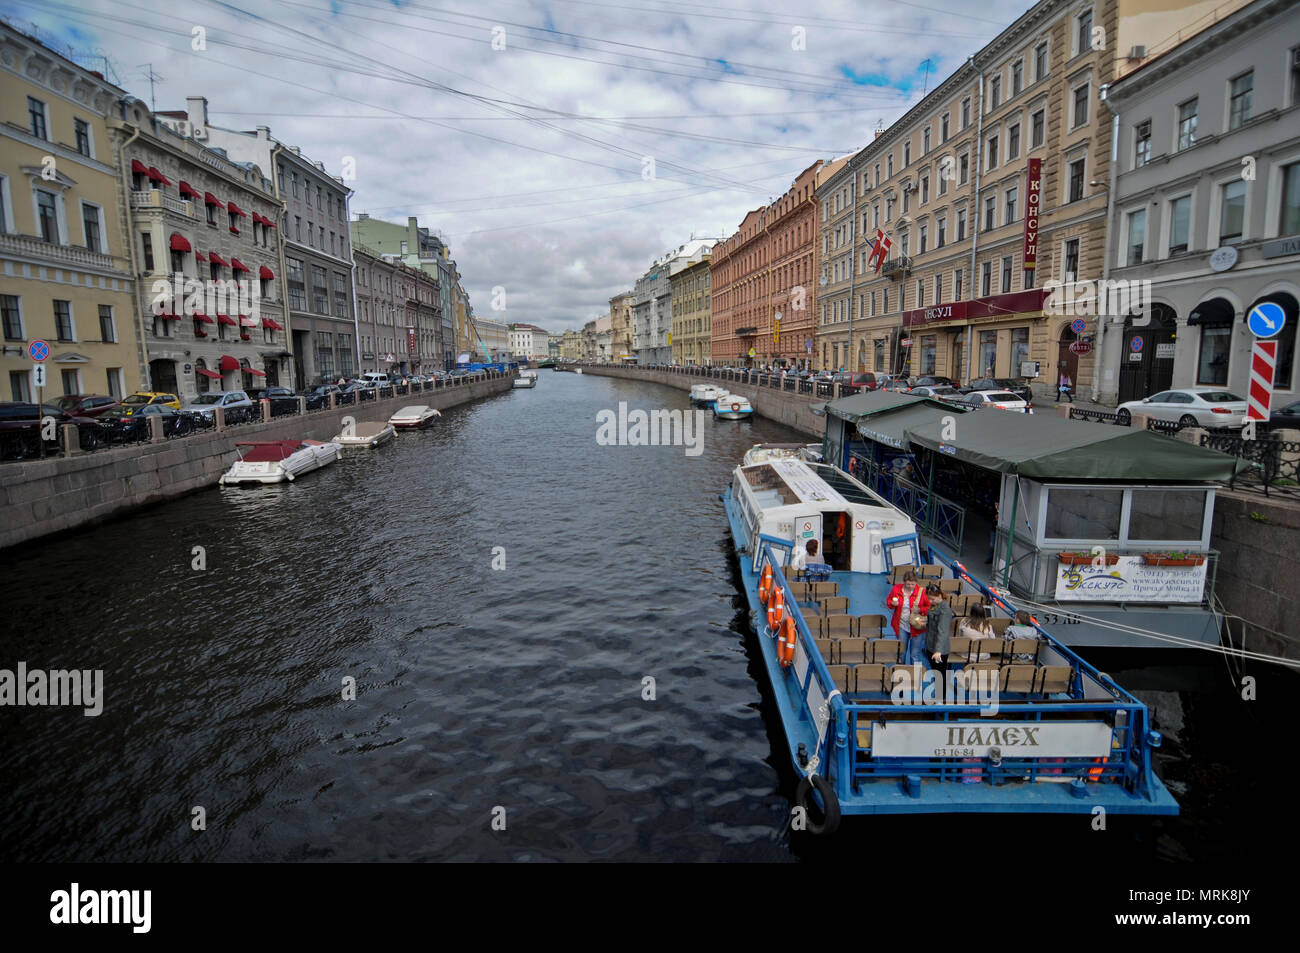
909 605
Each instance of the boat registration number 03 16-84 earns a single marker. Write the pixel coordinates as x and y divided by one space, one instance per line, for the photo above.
1051 618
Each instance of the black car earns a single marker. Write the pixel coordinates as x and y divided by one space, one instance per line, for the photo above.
935 381
1020 387
20 429
283 400
121 427
1288 417
319 397
355 393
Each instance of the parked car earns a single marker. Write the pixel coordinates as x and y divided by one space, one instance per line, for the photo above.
86 405
940 392
235 403
136 426
282 399
143 398
1000 399
20 429
934 381
1288 416
1019 387
319 397
1189 407
377 378
360 390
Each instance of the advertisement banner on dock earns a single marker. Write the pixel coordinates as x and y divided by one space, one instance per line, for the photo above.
1014 739
1130 580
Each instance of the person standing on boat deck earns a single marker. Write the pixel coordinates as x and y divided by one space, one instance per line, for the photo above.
938 630
909 602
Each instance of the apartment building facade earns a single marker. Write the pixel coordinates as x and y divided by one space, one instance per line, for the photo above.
765 290
620 325
652 302
1206 206
65 268
991 190
691 314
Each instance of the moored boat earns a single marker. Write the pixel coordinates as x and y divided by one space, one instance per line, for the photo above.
277 461
705 393
767 452
1032 728
526 379
413 417
732 407
364 436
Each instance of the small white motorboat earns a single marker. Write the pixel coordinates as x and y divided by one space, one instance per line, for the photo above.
413 417
365 436
732 407
526 379
706 393
771 452
276 461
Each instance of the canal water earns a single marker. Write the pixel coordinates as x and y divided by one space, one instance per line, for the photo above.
512 693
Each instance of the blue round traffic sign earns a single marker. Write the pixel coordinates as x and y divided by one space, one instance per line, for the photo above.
38 350
1078 325
1135 345
1266 320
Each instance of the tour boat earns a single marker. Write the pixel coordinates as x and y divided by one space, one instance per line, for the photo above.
413 417
868 735
526 379
767 452
365 436
276 461
732 407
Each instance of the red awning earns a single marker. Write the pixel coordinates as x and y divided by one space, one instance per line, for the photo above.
199 256
216 259
247 322
139 167
266 274
211 199
204 319
156 176
267 222
226 319
228 363
180 242
235 209
237 265
272 324
187 189
207 373
255 372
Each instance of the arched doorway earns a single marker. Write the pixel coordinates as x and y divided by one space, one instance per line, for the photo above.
1147 357
162 375
1067 362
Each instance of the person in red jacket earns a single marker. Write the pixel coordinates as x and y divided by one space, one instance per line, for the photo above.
909 603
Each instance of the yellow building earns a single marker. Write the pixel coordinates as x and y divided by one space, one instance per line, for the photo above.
65 275
692 325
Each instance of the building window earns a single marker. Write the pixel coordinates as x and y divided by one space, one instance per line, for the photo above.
1080 106
1290 223
920 293
90 225
146 244
297 228
925 141
988 352
995 93
1017 77
965 113
990 212
340 296
928 353
1180 223
1142 144
925 232
81 129
1232 215
1040 61
295 184
71 381
18 386
986 279
1187 124
956 285
877 174
1019 349
63 321
1294 53
1137 236
1071 259
1038 127
1076 180
36 116
47 213
907 154
11 315
1006 274
941 232
961 224
1239 98
1013 142
943 183
1083 32
1216 348
993 151
943 128
319 290
963 169
938 288
297 285
1010 206
107 331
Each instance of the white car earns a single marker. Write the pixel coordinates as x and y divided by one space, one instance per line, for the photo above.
939 392
1000 399
1189 407
234 403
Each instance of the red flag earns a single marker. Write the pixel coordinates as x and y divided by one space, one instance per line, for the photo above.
879 250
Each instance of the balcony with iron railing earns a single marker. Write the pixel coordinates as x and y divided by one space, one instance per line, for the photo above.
156 198
897 267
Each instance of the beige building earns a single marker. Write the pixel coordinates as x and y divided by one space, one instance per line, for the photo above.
65 270
620 323
692 321
950 182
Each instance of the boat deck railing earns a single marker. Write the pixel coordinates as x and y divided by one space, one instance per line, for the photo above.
844 719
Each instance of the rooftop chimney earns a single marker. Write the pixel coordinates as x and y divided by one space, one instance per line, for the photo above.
197 110
264 132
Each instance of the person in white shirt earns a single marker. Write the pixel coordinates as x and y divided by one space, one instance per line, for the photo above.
800 558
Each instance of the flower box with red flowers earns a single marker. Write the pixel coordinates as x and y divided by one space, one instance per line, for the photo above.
1085 559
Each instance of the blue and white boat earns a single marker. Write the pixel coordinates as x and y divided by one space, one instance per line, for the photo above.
732 407
867 735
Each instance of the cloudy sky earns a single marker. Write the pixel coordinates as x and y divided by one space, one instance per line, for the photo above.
557 146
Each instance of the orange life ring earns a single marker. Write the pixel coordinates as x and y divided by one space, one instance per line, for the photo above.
765 584
1094 774
785 642
735 406
775 609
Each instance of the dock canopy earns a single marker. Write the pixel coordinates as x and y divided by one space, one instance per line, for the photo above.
866 404
1047 447
891 428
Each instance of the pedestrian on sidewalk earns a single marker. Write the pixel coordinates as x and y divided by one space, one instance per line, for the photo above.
1063 387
